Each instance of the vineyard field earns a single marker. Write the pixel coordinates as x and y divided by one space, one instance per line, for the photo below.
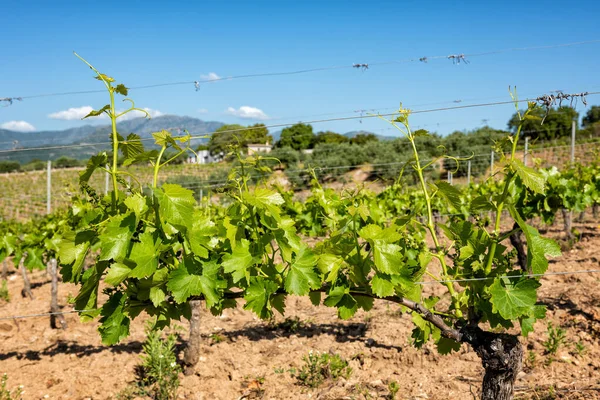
244 356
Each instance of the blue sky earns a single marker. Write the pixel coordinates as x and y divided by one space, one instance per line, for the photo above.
150 42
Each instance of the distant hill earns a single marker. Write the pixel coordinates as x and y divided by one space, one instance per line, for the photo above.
95 137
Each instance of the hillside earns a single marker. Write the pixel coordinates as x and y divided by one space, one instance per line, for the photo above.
95 136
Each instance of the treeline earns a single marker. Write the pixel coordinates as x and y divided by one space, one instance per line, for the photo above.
37 165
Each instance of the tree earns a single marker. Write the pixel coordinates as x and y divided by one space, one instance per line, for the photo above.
556 124
329 137
298 137
228 135
591 117
363 138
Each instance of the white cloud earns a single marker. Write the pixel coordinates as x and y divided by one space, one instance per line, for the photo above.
247 112
77 113
211 76
202 111
18 126
71 113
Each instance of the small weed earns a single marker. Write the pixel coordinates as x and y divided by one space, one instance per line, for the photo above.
4 295
278 370
580 348
556 337
216 338
531 359
158 374
321 366
5 393
393 388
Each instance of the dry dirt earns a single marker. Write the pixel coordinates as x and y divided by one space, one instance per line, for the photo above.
73 364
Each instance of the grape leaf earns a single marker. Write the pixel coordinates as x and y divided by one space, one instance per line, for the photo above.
193 279
117 273
257 297
116 237
513 300
238 262
144 254
530 177
302 276
115 323
176 204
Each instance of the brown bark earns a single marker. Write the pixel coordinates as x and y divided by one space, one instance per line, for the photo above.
517 242
54 308
502 357
26 291
567 223
191 355
595 211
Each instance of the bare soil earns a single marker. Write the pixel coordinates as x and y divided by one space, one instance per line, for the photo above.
246 358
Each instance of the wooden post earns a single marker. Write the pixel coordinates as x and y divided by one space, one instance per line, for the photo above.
54 308
191 355
26 291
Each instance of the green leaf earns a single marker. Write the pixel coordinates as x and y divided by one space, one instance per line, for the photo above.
265 199
315 298
451 193
257 297
164 139
116 237
447 346
176 204
136 203
530 177
105 78
93 163
131 147
382 285
202 235
121 89
115 323
95 113
144 254
117 273
34 259
193 279
387 257
346 304
302 276
329 265
539 312
513 300
238 262
538 247
72 251
157 295
480 204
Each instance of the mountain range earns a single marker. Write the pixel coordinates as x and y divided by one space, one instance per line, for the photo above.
88 140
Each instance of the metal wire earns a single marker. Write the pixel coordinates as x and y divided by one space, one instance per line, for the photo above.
363 66
591 271
205 135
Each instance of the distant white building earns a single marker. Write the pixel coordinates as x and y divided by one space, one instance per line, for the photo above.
259 148
204 157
